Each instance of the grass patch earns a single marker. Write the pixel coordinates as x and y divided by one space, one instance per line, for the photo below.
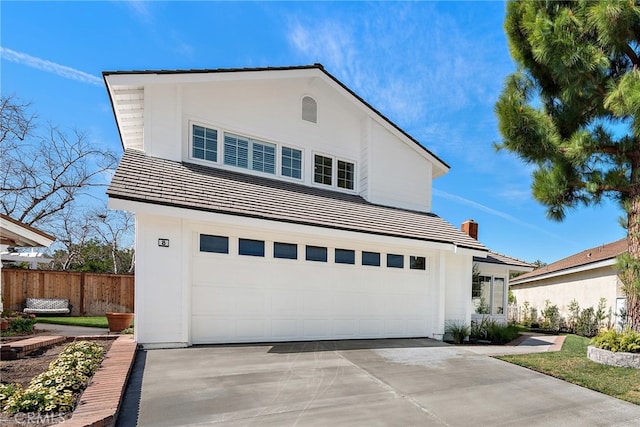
571 364
88 321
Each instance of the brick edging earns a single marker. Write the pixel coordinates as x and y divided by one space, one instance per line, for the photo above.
100 402
557 345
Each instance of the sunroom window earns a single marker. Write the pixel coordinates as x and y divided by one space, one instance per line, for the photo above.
249 153
488 294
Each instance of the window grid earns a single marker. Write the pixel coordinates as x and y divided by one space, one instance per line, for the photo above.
291 162
323 169
345 174
205 143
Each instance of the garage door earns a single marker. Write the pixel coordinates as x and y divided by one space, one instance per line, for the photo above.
242 299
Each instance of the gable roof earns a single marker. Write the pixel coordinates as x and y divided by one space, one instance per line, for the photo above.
16 233
496 258
131 95
158 181
592 257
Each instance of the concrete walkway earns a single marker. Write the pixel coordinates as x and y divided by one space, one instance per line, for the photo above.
70 331
528 344
364 382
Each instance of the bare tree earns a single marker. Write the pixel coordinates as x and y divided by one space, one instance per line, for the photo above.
44 173
112 228
73 232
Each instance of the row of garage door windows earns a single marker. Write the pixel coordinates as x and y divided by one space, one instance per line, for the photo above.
250 247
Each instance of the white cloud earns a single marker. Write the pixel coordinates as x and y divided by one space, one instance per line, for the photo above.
495 212
49 67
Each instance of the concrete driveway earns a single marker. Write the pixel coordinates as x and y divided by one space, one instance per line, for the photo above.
378 382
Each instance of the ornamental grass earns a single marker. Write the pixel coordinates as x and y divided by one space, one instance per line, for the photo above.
55 390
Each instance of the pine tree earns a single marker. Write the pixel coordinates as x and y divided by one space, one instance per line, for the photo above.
572 109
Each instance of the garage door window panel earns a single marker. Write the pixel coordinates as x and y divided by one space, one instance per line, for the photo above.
285 250
316 253
418 263
395 261
345 256
251 247
371 258
214 244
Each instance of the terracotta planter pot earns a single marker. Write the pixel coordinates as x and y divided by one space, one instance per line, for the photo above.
119 321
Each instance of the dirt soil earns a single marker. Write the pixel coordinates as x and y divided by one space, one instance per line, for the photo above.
23 370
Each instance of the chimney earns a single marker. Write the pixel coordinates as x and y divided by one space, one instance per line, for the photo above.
470 228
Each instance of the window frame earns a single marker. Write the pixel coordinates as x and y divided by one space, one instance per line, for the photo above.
281 148
191 136
308 258
350 261
251 251
334 172
201 250
368 263
294 245
251 142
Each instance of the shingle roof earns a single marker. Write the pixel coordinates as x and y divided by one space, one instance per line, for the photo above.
586 257
159 181
496 258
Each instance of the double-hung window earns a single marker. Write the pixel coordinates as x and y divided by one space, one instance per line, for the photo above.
291 162
204 143
345 174
249 153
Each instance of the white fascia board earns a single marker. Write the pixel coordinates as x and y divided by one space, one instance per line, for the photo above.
507 266
472 252
587 267
140 209
23 236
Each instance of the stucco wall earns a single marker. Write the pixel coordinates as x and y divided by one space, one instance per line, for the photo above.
586 287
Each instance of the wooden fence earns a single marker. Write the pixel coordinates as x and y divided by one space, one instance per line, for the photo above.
90 294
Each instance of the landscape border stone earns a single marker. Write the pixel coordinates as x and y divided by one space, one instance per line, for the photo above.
620 359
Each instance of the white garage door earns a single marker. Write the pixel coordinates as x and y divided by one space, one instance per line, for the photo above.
243 299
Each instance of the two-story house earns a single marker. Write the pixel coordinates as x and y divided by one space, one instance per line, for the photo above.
275 204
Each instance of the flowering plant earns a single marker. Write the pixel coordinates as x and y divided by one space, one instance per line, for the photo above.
55 389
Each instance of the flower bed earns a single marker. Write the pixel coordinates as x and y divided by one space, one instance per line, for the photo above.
55 390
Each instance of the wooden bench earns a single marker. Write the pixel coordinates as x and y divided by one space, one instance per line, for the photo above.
47 306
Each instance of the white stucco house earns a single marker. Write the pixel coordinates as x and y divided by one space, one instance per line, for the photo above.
275 204
585 277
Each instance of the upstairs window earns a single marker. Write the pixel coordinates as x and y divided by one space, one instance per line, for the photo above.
309 109
249 153
322 169
205 143
291 162
345 174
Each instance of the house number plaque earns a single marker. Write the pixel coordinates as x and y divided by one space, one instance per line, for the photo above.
163 243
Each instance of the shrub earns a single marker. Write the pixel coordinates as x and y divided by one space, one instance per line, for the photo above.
458 330
483 306
496 333
550 317
19 323
627 341
54 390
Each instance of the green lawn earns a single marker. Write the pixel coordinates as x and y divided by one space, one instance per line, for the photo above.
571 364
90 321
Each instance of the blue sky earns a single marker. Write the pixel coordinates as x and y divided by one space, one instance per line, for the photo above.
434 68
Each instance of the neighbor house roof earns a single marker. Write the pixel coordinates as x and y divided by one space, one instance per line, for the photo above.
158 181
127 98
16 233
590 258
496 258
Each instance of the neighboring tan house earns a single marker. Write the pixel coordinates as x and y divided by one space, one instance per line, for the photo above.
275 204
585 277
490 286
